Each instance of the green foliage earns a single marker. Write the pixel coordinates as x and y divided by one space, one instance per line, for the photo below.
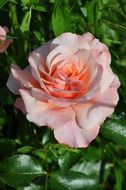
30 158
115 130
19 170
73 181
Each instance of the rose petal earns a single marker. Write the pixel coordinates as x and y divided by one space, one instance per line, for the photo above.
20 105
34 69
13 84
42 113
20 79
91 114
71 134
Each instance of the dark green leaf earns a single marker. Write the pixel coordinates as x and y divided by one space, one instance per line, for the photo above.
115 130
68 159
73 181
19 170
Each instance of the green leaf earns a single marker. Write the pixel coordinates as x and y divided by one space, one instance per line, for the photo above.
25 149
19 170
115 130
32 187
73 181
26 21
62 21
68 159
24 2
2 3
39 8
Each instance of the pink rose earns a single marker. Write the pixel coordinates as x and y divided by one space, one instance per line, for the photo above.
68 86
4 43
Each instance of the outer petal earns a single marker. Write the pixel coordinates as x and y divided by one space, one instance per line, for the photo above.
20 105
42 113
91 114
13 84
44 49
20 79
71 134
72 41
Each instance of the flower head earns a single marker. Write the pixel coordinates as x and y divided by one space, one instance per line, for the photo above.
68 86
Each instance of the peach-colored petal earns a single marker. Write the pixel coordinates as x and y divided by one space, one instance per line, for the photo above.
42 113
57 55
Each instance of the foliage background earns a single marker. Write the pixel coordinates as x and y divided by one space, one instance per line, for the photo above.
30 157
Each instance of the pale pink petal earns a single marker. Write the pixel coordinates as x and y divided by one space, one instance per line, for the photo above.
67 39
71 134
20 79
57 55
42 113
39 94
104 59
34 60
88 37
44 49
72 41
12 83
91 114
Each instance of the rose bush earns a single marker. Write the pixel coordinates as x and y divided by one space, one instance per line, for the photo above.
4 43
68 86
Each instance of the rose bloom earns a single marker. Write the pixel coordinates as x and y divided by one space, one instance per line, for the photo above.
68 86
4 43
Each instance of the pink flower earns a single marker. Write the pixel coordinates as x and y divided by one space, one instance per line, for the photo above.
68 86
4 43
